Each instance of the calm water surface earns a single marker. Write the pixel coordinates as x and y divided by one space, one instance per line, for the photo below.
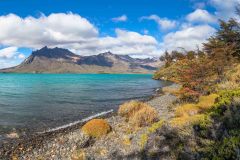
37 102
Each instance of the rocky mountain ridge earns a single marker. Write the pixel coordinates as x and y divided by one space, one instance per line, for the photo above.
59 60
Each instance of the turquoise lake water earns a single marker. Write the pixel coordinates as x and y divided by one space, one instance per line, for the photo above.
37 102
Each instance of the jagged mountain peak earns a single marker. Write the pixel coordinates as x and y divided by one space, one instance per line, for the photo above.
108 53
53 52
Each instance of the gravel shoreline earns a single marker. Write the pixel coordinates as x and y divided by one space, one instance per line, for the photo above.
62 143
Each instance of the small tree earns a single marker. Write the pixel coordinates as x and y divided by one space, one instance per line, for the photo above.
194 75
167 58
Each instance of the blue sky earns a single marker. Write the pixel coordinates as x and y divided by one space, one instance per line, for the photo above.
140 28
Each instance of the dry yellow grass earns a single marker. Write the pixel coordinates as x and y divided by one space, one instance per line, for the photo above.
228 85
206 102
138 113
96 128
144 117
186 120
233 79
186 110
170 90
188 114
128 109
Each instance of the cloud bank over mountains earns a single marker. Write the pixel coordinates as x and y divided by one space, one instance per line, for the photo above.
74 32
70 31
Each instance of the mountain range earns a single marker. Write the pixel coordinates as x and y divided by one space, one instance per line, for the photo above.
59 60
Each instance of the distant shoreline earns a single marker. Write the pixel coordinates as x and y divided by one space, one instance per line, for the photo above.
74 73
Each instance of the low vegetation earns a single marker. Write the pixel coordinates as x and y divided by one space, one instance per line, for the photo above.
138 113
224 138
128 109
206 102
186 110
144 117
171 90
152 129
96 128
207 119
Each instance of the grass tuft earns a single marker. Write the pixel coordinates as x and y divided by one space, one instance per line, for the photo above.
206 102
128 109
189 114
138 113
155 126
189 120
186 110
144 117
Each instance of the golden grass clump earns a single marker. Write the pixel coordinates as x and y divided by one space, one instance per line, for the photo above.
96 128
174 91
155 126
128 109
206 102
138 113
144 117
188 114
186 110
187 120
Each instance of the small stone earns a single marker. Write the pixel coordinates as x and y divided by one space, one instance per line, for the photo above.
165 149
12 135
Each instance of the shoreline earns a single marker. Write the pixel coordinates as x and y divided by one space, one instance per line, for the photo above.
7 149
37 140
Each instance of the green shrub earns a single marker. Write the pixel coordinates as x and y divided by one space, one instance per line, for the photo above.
225 136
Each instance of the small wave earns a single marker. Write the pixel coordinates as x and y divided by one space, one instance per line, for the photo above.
79 121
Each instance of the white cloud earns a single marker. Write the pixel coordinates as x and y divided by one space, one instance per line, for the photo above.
8 53
6 63
122 18
21 56
225 9
46 30
189 37
9 57
200 15
163 23
125 42
73 32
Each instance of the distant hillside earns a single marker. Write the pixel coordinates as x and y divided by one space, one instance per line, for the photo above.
58 60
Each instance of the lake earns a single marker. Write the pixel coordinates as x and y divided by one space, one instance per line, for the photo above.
38 102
